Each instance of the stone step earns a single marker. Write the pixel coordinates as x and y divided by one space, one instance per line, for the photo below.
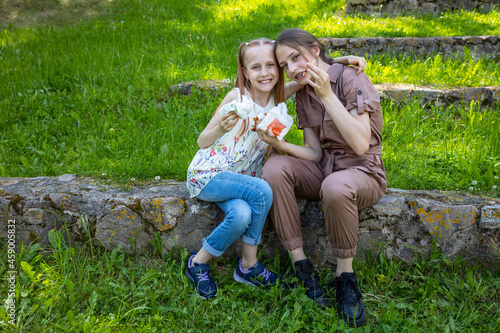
411 7
402 224
478 46
438 96
400 93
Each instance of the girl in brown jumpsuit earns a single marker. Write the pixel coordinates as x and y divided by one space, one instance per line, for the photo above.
340 162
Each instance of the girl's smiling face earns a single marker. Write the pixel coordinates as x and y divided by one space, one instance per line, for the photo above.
294 63
261 68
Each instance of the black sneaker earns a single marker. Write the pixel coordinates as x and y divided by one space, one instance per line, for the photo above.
204 286
349 305
257 276
305 272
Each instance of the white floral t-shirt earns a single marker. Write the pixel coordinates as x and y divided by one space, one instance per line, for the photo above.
239 150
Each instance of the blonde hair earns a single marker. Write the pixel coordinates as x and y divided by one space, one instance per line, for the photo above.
278 90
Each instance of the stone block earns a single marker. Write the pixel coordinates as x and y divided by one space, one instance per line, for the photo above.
372 241
430 8
495 94
375 45
314 219
4 210
122 227
431 97
398 95
162 213
357 42
338 42
449 225
493 39
323 252
66 178
66 201
34 216
390 206
490 217
359 2
310 241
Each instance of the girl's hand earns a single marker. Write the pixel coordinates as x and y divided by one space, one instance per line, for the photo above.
320 80
358 62
269 138
228 121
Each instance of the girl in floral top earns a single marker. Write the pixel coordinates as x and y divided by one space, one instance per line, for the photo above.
226 169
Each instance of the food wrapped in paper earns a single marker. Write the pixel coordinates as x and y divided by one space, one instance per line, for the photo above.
242 108
277 120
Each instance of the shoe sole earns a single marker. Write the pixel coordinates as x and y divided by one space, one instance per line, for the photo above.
239 279
358 322
190 278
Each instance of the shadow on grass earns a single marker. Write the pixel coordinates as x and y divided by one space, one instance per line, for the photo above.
24 14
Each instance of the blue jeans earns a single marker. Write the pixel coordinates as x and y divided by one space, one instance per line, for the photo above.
246 201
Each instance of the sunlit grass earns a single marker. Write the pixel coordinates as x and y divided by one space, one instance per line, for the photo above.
453 71
460 146
280 11
450 24
93 96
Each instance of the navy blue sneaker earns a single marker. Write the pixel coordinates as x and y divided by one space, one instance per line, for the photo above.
304 271
350 307
204 286
257 276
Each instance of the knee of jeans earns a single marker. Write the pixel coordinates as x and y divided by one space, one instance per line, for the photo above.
267 193
240 215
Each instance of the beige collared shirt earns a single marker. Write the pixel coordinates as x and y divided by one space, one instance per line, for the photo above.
355 92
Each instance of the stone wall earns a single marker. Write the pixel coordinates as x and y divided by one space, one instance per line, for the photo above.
401 223
429 95
483 97
489 46
401 7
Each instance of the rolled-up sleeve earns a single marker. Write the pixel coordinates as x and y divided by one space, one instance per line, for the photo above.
359 92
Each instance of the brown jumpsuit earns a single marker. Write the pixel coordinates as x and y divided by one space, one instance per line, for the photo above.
344 181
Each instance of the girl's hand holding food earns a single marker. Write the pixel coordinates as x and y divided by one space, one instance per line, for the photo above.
228 121
319 80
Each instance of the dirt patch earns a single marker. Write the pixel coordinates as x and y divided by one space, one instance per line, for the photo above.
22 14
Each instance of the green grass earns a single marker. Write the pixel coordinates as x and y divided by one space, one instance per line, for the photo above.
91 96
88 289
422 149
460 147
454 71
85 90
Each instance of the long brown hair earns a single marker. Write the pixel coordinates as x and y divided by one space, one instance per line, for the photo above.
278 90
299 40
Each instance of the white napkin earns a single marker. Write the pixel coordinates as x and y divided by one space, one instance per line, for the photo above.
277 120
242 108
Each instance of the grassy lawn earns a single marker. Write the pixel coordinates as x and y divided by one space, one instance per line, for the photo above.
85 90
86 86
87 289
